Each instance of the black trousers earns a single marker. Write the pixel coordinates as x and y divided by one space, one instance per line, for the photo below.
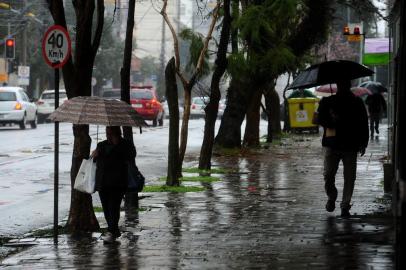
111 201
374 123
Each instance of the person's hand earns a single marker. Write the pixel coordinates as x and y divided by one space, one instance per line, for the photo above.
94 154
362 152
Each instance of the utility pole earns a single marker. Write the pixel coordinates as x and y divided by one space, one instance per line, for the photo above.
178 15
24 41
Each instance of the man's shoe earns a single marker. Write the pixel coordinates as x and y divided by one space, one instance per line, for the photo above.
116 234
330 206
345 213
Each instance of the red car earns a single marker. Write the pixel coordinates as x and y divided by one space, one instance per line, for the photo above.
144 100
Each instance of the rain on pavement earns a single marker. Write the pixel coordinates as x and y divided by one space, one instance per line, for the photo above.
267 214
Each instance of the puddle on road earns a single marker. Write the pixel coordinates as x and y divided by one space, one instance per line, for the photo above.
44 190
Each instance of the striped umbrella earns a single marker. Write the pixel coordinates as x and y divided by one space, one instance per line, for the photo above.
97 111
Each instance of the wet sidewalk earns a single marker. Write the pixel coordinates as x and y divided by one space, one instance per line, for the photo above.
268 214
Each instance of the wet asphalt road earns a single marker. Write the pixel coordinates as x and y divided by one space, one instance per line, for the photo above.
267 215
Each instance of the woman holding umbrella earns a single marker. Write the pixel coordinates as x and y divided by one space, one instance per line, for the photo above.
112 158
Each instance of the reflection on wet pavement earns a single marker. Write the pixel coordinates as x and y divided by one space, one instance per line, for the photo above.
270 217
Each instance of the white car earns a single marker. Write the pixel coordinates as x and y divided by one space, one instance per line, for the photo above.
46 103
15 107
166 109
197 107
199 103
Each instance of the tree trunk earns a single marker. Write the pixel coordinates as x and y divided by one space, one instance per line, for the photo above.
234 34
272 104
173 146
131 198
275 113
211 109
238 98
81 214
251 135
185 125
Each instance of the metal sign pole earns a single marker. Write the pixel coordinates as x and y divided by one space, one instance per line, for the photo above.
56 158
56 49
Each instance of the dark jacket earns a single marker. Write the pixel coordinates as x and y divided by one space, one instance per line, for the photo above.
345 113
112 164
376 104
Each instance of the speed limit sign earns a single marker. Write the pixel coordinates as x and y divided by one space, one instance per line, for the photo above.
56 46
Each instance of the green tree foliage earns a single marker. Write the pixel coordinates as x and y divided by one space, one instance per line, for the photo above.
274 37
149 66
264 29
196 44
109 58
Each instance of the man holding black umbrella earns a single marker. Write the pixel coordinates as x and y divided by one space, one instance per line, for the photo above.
345 121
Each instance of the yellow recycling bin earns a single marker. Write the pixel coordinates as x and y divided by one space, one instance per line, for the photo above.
301 113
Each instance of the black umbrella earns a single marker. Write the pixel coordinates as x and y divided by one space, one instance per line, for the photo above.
374 87
330 72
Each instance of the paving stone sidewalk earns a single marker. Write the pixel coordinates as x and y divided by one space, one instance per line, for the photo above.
268 215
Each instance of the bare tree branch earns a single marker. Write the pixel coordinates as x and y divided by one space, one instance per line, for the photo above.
208 37
175 42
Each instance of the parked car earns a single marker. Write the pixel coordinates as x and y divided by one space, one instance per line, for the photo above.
199 103
16 107
46 103
166 109
144 100
114 93
197 107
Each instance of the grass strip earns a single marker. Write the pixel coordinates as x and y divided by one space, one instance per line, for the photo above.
178 189
98 209
204 179
213 170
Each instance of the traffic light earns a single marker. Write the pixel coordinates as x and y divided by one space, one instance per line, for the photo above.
10 48
352 29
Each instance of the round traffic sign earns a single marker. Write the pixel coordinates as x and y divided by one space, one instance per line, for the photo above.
56 46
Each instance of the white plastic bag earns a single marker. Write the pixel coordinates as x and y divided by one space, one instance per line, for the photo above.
86 178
